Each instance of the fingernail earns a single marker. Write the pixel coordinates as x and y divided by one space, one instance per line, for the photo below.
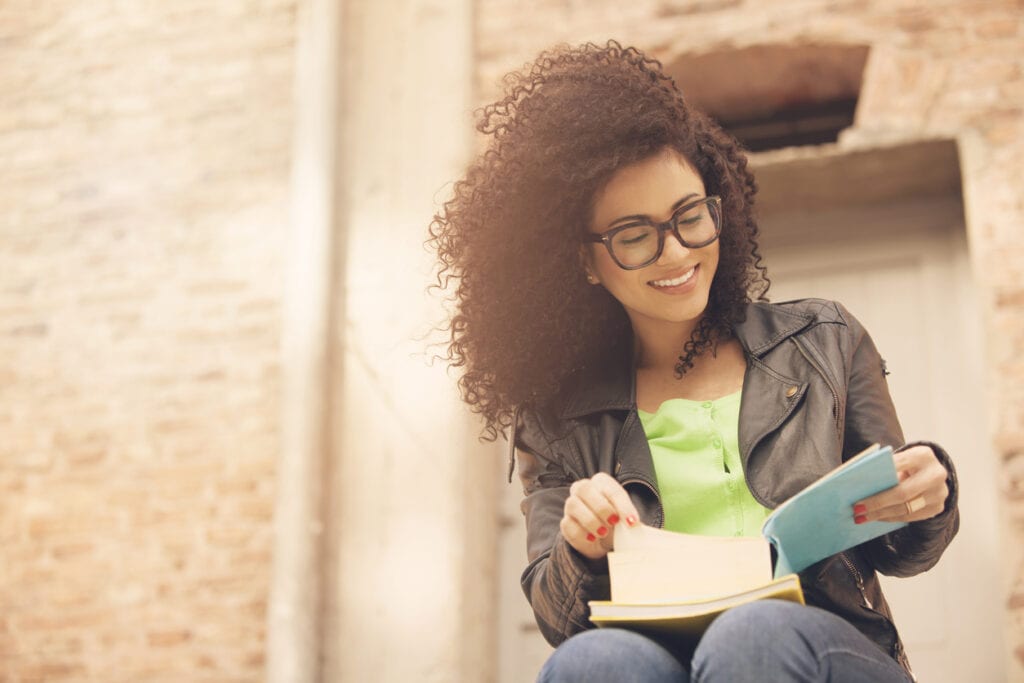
860 519
613 520
591 537
601 531
860 509
631 520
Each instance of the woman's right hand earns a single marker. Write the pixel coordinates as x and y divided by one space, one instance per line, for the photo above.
592 510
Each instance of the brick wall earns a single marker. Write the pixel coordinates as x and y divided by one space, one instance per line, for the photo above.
941 68
143 191
143 175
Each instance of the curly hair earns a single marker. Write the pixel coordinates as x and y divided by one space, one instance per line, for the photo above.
525 318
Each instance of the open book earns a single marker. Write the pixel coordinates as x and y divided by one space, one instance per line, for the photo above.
667 581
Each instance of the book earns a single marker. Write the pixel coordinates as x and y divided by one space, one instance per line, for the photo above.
667 581
663 581
689 618
818 521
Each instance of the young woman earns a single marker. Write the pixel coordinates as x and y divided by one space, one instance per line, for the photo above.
611 314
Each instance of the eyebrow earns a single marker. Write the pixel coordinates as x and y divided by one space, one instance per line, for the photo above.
645 217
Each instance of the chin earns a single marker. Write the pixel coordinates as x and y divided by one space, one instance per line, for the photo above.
687 314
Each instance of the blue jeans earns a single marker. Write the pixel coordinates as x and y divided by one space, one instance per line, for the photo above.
768 640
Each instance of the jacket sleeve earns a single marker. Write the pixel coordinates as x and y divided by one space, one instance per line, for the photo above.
558 581
870 418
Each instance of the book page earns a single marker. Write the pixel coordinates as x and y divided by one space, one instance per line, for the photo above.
650 565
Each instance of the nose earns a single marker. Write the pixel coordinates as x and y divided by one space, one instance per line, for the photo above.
673 249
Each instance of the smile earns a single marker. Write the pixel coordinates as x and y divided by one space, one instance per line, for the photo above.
676 281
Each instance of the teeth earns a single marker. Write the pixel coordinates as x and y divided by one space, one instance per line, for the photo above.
676 281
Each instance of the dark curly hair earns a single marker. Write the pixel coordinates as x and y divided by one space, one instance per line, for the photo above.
526 319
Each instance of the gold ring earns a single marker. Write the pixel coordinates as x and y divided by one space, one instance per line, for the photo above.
914 505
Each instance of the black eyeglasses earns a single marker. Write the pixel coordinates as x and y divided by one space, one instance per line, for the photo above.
640 243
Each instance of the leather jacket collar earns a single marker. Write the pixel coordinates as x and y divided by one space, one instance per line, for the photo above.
613 386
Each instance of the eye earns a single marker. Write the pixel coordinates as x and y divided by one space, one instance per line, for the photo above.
692 216
633 235
637 239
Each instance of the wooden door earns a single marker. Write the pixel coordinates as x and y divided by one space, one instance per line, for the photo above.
903 271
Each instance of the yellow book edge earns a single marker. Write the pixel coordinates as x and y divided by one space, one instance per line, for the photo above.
689 617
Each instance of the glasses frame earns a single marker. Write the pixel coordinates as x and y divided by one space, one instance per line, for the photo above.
671 224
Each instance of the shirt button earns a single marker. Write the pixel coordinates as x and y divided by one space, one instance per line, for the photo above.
717 443
706 404
791 392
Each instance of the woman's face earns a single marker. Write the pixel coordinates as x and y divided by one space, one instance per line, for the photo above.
674 289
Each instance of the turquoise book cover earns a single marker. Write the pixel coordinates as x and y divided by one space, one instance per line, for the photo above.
818 521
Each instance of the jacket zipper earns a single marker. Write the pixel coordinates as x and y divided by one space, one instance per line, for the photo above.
817 366
901 655
858 578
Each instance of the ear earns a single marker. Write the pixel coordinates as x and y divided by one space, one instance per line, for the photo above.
586 263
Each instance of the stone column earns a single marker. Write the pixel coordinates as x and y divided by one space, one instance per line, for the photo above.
294 632
411 534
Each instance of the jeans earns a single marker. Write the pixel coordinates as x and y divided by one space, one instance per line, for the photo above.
768 640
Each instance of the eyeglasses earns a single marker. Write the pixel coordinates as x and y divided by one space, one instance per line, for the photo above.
640 243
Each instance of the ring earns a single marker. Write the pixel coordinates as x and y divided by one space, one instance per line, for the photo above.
914 505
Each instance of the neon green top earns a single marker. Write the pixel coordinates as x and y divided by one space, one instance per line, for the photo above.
695 446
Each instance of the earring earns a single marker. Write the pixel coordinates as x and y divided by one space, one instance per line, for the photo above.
591 278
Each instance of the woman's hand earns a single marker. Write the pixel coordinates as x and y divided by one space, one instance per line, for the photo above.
592 510
921 493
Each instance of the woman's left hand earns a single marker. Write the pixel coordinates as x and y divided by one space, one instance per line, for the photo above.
921 493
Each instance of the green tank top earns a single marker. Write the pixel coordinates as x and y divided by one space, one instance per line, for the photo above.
695 446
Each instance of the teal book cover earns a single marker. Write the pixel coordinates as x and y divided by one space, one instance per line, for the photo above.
818 522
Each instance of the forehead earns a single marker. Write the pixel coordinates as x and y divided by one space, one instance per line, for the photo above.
648 187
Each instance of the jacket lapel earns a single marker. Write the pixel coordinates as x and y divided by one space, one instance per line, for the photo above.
769 398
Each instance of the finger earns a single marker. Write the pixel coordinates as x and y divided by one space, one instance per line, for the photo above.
913 510
615 493
591 493
921 474
903 502
890 498
606 498
913 459
891 501
906 508
582 540
585 517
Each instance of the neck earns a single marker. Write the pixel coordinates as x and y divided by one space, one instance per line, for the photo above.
658 346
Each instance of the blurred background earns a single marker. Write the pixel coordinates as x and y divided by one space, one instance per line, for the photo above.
225 453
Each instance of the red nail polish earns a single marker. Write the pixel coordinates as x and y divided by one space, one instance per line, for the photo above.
613 520
860 509
591 537
631 520
601 531
860 519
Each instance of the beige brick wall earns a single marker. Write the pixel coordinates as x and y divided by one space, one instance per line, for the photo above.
144 151
939 68
143 207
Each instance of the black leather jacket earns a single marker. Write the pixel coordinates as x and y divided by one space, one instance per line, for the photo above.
814 394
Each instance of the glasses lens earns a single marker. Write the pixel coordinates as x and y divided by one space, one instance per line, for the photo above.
635 245
698 224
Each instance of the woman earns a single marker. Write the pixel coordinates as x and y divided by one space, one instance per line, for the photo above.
611 313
